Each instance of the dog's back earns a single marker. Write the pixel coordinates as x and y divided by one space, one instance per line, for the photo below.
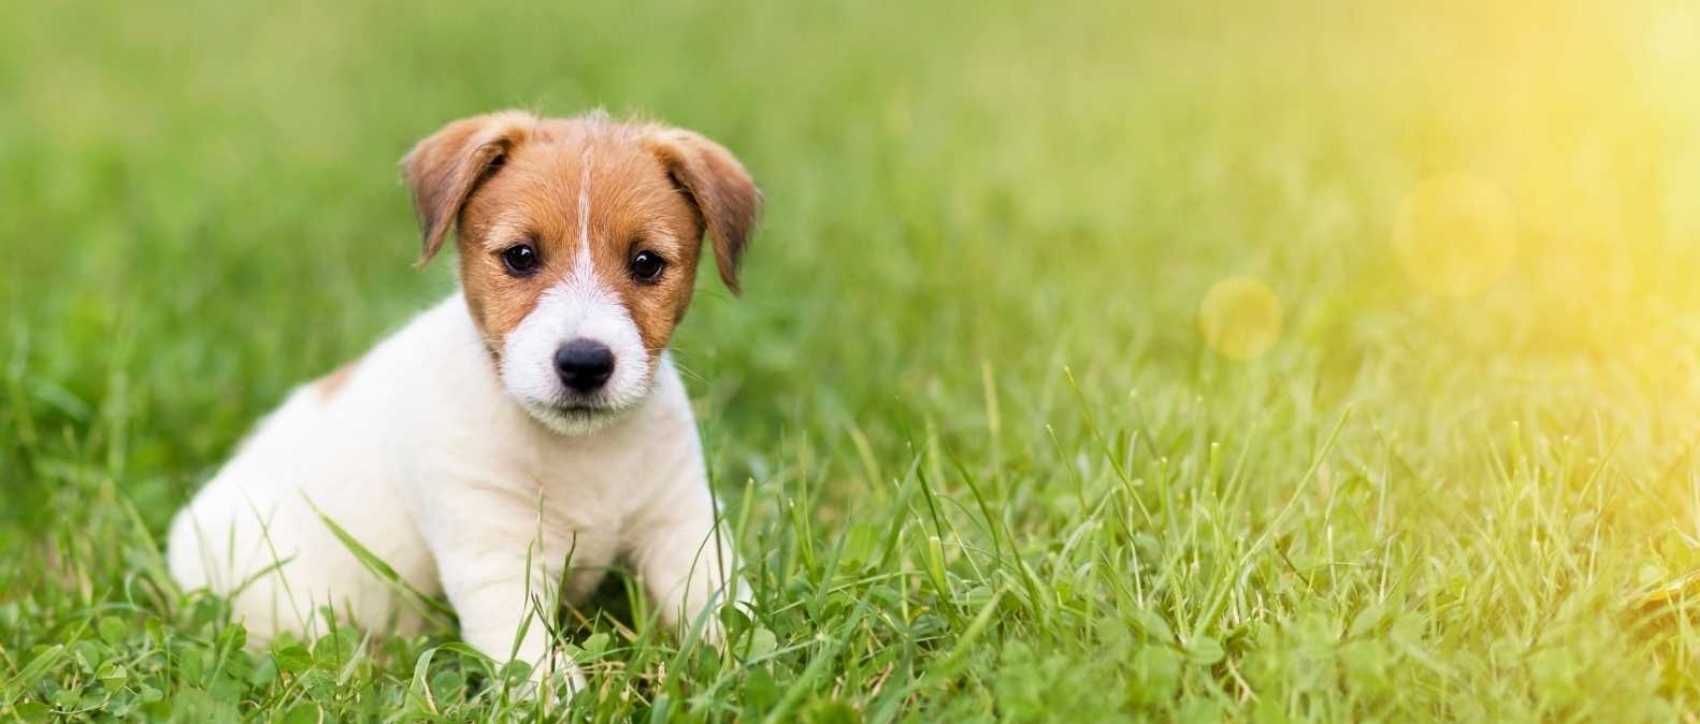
254 532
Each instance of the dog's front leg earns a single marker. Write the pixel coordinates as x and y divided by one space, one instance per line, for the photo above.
497 599
686 564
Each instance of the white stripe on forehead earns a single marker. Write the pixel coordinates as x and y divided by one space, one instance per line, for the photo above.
585 162
581 264
583 274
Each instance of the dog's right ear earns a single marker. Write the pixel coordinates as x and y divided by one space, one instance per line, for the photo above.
444 169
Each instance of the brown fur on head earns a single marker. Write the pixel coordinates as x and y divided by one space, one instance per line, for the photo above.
578 247
588 194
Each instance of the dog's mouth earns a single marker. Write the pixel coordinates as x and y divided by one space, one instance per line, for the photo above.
573 416
579 408
574 412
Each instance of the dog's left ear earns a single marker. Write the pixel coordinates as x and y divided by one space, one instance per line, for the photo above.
444 169
725 197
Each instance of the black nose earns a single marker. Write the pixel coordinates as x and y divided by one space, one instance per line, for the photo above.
584 364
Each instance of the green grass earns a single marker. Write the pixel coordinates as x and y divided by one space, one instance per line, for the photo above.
980 459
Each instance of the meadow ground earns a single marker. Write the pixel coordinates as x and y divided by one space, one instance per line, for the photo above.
992 446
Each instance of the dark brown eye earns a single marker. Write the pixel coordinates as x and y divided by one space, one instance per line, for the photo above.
520 259
647 266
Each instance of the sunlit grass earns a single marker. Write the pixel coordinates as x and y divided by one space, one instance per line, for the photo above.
1095 359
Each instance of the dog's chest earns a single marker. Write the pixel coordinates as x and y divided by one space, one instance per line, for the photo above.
598 483
589 492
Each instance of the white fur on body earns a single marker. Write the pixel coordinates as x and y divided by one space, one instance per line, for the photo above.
423 458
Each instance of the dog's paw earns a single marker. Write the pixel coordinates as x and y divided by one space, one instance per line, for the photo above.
559 680
575 681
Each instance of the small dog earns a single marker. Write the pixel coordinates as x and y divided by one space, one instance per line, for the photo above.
530 423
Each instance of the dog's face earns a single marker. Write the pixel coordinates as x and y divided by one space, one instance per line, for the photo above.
579 240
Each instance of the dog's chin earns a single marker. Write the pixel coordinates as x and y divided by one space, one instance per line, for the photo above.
573 418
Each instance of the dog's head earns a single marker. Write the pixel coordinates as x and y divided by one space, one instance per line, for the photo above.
579 241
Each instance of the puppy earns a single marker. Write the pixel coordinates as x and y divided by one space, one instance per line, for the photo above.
512 442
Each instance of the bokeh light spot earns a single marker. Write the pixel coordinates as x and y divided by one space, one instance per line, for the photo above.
1240 318
1674 36
1455 234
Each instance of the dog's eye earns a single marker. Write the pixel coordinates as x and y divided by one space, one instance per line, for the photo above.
647 266
520 259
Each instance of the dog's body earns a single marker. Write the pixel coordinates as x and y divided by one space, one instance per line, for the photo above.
460 460
450 456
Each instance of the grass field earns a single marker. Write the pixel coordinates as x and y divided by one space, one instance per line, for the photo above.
993 446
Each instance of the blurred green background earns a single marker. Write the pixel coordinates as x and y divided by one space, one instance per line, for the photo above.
1427 454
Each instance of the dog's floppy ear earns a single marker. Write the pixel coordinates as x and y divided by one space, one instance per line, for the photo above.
725 197
445 168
